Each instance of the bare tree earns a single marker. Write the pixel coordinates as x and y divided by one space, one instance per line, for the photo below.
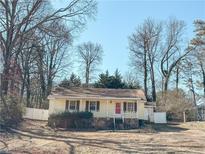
56 47
153 45
131 81
43 59
196 60
172 53
26 61
144 47
90 55
189 70
138 54
18 18
199 43
177 72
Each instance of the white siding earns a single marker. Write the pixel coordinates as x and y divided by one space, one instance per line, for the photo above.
107 108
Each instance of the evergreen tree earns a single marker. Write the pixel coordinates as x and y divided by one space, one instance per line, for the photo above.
114 81
73 81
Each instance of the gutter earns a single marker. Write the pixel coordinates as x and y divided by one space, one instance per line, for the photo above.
101 98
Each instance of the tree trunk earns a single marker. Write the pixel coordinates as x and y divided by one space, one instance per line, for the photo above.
177 79
162 84
50 72
28 91
153 84
145 75
203 76
204 82
50 81
5 78
23 85
166 80
43 88
41 75
87 76
49 86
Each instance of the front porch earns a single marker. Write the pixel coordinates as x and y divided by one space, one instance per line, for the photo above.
115 123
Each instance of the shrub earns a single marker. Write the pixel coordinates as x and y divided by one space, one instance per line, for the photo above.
71 120
174 103
73 115
11 111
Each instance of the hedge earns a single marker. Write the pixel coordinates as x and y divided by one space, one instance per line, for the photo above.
74 115
71 120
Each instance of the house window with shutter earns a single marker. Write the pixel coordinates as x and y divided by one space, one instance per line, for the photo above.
130 107
92 105
72 105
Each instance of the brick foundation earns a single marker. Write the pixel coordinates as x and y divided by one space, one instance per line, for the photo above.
108 123
97 123
103 123
131 123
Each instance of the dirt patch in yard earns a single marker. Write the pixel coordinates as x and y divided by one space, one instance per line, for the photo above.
36 137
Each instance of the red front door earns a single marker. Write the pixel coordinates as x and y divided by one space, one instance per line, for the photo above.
118 108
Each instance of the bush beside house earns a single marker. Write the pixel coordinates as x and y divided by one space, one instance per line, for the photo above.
85 120
67 119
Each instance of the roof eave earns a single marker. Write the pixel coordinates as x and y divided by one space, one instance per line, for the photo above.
102 98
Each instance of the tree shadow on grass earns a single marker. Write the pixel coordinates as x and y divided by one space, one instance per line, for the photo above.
4 147
170 127
110 144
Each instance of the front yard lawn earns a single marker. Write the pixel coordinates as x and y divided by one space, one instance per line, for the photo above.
172 138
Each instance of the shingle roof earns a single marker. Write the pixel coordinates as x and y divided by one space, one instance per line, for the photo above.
59 92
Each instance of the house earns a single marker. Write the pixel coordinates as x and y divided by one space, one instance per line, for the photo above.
105 104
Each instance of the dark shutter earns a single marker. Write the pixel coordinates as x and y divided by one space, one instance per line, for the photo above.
87 105
78 105
98 105
124 106
135 106
66 105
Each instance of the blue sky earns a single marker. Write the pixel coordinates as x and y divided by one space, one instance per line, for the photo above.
117 19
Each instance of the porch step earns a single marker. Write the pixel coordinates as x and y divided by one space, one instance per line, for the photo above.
118 123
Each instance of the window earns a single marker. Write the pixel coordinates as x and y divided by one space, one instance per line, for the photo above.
72 105
130 107
92 105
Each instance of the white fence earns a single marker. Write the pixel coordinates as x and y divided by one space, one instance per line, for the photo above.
156 117
160 117
36 114
149 114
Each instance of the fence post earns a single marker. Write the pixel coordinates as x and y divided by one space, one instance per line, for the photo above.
184 116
